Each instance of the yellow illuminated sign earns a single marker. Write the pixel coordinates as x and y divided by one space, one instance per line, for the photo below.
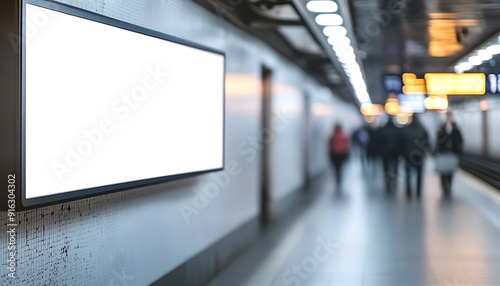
456 84
409 76
436 102
410 89
413 85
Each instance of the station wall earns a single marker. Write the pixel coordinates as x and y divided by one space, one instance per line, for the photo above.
138 236
480 126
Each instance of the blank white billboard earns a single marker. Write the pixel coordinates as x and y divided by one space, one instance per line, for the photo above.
105 105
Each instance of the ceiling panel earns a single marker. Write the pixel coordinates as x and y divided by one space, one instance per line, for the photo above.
419 36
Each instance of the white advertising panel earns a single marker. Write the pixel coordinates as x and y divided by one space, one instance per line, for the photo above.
106 105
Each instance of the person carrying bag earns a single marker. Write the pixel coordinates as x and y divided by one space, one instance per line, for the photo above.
449 147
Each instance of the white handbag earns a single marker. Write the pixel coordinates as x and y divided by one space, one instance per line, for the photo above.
446 163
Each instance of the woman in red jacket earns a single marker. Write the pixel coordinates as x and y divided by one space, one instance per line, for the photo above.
339 150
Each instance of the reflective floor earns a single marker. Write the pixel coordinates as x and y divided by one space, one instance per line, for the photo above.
361 236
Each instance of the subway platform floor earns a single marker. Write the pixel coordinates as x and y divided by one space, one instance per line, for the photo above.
362 236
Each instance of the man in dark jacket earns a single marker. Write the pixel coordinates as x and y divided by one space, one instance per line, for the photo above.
449 141
373 148
415 145
390 139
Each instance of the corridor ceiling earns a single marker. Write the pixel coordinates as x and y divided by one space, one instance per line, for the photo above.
283 25
418 36
392 36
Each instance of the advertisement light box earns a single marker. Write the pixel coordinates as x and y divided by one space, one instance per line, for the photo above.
102 106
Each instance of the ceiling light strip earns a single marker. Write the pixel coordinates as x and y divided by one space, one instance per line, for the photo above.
476 58
335 33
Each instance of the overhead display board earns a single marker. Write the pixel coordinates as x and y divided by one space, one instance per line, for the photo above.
108 106
493 83
456 84
392 83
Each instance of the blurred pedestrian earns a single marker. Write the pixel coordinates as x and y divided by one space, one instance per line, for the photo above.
449 146
360 140
414 147
339 151
373 148
391 141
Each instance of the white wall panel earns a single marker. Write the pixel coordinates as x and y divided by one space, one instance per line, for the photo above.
322 112
286 149
471 122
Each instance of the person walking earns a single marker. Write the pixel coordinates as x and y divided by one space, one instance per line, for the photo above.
339 151
391 138
360 140
373 149
415 141
449 146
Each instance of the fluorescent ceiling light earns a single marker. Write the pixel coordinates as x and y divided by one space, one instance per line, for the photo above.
352 65
339 40
342 46
475 61
344 61
363 97
494 49
329 20
322 6
344 51
347 59
464 66
358 81
484 55
333 31
356 72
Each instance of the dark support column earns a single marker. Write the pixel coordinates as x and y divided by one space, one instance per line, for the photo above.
486 136
306 138
265 196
